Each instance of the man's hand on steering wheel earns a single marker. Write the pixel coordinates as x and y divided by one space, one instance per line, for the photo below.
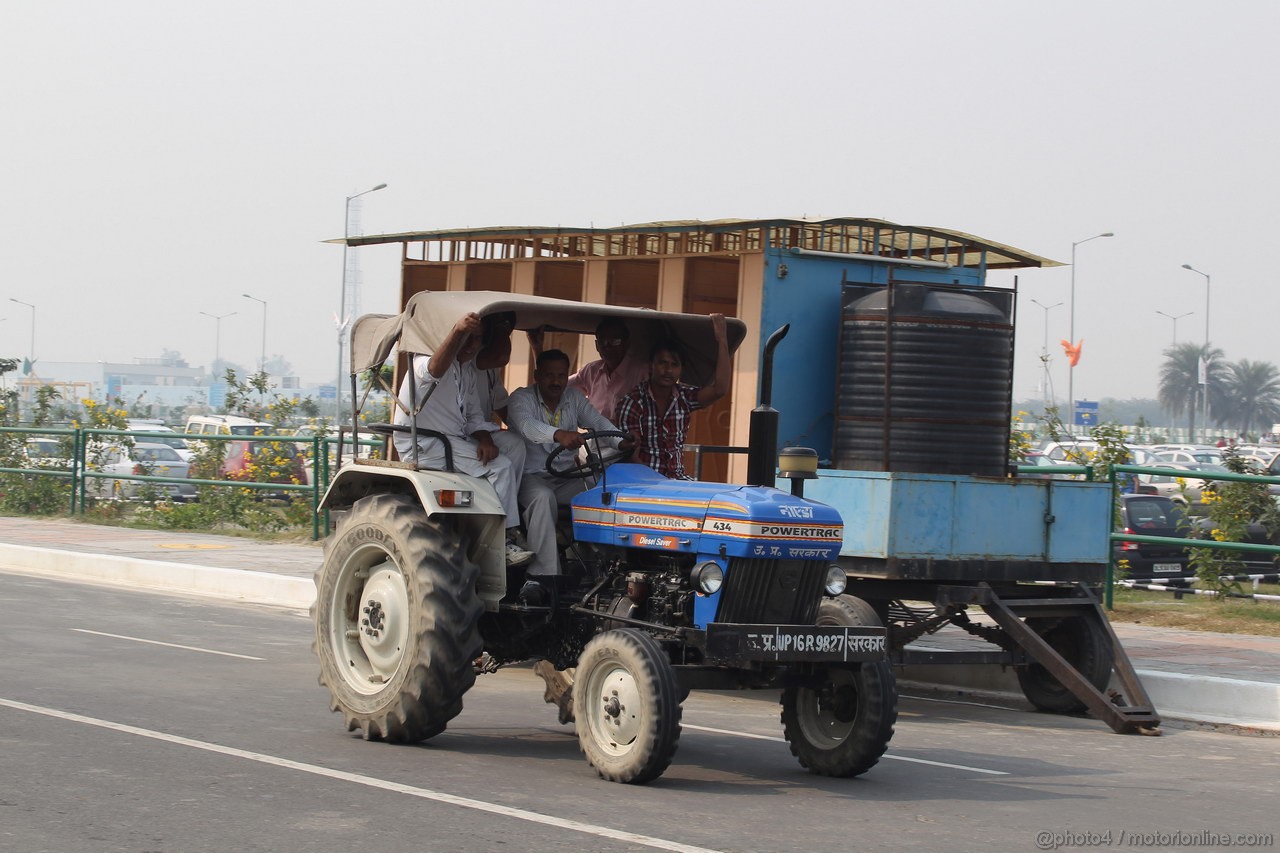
569 439
594 464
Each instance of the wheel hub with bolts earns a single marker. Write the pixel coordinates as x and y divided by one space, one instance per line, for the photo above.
619 701
375 643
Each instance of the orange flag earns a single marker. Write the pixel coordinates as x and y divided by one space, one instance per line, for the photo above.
1073 352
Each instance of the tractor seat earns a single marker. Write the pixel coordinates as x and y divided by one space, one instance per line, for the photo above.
390 429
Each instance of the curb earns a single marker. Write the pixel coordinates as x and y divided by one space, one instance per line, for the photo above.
157 576
1177 696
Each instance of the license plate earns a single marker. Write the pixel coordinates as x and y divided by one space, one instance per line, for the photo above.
739 643
1166 568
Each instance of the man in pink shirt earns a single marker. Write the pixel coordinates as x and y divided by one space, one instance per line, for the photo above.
610 378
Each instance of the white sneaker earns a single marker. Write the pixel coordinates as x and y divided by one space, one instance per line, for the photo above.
517 556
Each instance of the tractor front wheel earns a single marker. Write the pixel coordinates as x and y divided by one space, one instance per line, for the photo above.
627 706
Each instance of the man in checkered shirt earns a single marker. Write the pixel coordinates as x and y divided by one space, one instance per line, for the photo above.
658 410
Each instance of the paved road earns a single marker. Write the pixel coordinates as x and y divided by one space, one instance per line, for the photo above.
145 722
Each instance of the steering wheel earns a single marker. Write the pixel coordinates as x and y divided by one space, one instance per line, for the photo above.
595 462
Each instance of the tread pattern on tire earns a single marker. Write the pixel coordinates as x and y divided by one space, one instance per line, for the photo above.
426 692
877 710
645 658
1089 652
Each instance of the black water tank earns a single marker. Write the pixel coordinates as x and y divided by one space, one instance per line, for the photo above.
925 383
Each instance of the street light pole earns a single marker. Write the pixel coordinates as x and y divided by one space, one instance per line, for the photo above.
1044 351
342 301
1205 424
262 364
217 337
1175 318
31 359
1071 334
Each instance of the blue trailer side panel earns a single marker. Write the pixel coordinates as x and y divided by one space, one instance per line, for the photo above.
950 517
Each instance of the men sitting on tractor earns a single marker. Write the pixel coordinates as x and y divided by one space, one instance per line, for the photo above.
548 414
658 410
444 390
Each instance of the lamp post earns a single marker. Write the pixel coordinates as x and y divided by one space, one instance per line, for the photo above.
262 364
31 359
342 302
1071 333
1044 351
217 336
1205 419
1175 318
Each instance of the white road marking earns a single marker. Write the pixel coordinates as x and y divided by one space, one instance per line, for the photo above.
890 757
382 784
170 645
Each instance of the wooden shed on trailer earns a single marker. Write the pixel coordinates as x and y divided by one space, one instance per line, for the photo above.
766 272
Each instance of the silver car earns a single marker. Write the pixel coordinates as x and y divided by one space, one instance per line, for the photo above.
145 459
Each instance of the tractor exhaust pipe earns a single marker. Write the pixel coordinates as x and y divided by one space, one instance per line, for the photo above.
762 444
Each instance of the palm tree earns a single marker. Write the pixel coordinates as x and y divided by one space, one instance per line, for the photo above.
1180 380
1253 395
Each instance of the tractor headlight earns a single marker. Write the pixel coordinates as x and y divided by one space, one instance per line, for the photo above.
707 577
837 580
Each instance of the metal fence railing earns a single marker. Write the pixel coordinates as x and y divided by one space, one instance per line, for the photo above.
79 470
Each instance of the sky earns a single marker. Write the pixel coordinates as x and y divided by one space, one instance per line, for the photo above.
160 159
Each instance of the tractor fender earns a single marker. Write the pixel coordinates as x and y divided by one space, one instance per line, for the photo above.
482 524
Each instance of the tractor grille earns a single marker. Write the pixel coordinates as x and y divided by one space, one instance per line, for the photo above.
772 592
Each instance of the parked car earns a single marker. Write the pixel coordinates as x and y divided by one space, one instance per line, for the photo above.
1210 455
227 425
1256 534
171 437
143 459
1069 452
1257 454
1179 484
44 452
1153 515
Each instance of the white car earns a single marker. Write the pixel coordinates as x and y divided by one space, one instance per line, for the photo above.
1068 452
145 459
1179 484
1205 455
171 438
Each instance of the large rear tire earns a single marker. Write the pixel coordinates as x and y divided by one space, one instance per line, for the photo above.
1084 643
627 706
840 724
396 621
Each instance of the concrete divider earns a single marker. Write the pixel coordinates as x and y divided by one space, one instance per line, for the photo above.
160 576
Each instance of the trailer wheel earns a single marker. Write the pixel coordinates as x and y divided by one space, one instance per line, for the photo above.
1085 645
842 723
627 706
396 621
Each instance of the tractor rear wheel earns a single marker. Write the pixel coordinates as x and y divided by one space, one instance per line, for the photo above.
627 706
396 621
841 723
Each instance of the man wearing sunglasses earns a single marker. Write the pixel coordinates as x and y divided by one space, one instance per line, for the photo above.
608 379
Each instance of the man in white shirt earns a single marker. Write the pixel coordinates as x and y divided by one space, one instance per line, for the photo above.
489 391
548 414
445 393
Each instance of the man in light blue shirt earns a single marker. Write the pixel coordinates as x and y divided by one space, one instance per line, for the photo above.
548 414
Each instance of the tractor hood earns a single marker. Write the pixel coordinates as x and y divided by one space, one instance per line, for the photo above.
643 509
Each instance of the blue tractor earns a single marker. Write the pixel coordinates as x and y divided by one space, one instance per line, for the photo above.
670 585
